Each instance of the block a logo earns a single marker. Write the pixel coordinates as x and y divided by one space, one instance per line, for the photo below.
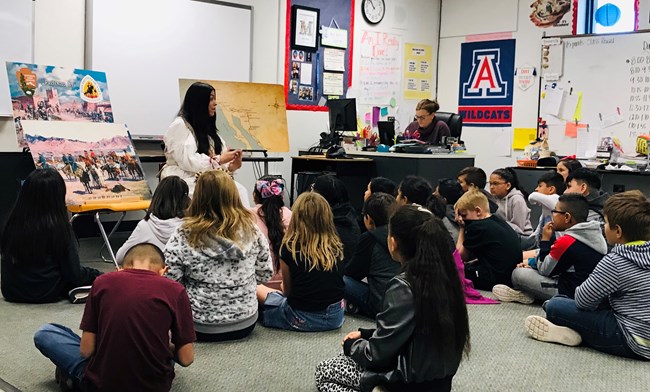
485 77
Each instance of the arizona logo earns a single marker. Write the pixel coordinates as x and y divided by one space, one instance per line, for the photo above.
486 80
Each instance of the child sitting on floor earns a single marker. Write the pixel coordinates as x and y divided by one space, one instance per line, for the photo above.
414 189
488 245
564 264
372 259
550 186
622 278
311 257
136 324
504 185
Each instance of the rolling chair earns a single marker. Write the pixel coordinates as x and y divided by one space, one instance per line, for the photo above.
454 122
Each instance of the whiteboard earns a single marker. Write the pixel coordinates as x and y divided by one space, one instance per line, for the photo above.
146 46
613 74
16 42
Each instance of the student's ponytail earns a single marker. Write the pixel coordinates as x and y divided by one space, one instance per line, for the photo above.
509 175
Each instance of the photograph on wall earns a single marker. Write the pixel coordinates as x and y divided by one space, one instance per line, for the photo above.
553 14
97 161
48 93
251 116
486 83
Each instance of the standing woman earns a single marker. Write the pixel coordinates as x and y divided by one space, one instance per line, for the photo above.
422 327
192 142
504 186
45 272
220 256
426 127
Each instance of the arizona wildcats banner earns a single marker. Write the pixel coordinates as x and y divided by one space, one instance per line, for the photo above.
486 83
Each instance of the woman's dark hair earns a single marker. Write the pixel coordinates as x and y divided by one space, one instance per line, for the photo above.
170 200
332 189
39 214
440 311
416 189
383 184
571 164
195 111
509 176
271 213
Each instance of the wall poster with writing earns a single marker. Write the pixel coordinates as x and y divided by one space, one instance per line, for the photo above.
380 69
313 76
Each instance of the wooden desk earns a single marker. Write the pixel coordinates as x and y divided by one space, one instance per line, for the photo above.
356 173
433 167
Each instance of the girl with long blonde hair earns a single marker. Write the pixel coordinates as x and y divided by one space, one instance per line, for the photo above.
220 256
311 257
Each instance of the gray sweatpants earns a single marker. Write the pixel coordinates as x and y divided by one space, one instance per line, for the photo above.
532 283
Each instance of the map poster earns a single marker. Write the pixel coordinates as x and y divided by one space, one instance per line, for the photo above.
251 116
96 160
48 93
418 62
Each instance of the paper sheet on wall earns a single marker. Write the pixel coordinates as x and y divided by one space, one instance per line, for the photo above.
568 107
501 142
380 71
572 127
334 60
522 137
552 101
609 119
332 83
587 142
305 73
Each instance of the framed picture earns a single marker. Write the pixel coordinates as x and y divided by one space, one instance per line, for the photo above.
304 28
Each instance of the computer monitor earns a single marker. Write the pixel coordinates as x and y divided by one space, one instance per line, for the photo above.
386 132
343 116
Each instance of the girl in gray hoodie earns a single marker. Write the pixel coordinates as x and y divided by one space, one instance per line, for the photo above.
504 186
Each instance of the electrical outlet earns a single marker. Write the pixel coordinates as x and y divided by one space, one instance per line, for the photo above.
618 188
391 118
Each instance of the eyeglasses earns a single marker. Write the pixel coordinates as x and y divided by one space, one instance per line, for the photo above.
422 117
560 212
496 183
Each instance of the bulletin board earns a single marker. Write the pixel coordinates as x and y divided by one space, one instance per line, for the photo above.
315 74
602 81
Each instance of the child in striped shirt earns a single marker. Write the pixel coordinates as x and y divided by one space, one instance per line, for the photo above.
610 312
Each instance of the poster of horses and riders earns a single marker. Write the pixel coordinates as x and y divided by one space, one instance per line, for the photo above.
48 93
65 118
97 161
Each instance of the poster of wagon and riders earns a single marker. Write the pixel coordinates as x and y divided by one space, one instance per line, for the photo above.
97 161
49 93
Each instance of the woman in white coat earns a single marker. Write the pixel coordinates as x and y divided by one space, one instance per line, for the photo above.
192 142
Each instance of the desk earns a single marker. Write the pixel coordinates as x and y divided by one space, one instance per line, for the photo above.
433 167
355 173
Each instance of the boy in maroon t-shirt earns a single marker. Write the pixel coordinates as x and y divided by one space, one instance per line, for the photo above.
134 325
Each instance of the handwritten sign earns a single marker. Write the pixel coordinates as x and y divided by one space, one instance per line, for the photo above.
379 67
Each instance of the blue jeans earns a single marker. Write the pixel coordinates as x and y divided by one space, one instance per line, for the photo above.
276 313
61 345
599 329
358 293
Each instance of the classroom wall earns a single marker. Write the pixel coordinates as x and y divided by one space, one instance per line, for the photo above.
482 142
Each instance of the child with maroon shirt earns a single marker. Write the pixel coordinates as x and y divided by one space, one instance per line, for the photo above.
128 321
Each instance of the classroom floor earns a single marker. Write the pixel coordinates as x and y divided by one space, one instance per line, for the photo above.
503 357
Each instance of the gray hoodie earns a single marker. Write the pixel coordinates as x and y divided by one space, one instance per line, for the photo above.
623 277
220 278
153 231
514 210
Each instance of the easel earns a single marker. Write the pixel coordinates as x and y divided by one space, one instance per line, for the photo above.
99 209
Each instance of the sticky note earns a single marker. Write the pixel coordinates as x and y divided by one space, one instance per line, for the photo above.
523 136
367 118
571 128
384 111
375 115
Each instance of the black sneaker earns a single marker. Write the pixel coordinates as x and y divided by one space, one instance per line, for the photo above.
78 295
351 308
65 382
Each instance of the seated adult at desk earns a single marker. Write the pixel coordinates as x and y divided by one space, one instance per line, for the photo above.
427 127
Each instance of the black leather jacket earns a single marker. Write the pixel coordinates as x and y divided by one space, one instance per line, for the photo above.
393 354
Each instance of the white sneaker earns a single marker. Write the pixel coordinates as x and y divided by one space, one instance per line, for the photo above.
541 329
507 294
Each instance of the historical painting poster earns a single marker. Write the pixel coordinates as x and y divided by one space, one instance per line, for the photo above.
251 116
97 160
48 93
487 71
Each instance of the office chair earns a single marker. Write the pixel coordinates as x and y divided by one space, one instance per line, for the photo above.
454 122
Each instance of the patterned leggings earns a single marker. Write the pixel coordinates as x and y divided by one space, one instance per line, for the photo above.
338 374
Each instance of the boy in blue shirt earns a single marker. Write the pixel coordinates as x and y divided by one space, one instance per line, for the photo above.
622 278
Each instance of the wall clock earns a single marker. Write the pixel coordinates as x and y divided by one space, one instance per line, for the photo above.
373 10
